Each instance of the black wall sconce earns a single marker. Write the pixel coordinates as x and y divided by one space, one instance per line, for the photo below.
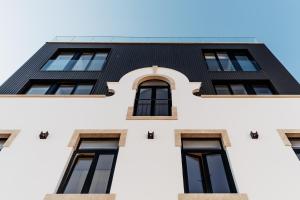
44 135
150 135
254 135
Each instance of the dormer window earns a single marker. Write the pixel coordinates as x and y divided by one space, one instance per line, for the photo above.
153 98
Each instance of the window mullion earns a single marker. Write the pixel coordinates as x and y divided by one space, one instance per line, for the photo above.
236 65
218 61
90 175
153 100
90 61
206 175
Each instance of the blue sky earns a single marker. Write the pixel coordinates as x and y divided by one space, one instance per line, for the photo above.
27 25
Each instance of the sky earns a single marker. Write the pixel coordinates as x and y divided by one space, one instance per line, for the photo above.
27 25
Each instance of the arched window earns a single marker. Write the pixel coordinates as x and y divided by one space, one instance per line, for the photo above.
153 98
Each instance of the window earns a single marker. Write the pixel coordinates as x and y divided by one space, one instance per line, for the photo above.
76 61
296 146
153 98
205 167
60 89
230 60
242 88
2 142
91 167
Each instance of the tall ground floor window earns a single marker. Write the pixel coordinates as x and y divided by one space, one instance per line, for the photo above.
205 167
91 167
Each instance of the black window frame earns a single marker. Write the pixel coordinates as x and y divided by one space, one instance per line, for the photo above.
248 85
207 187
54 86
153 99
78 153
231 55
76 55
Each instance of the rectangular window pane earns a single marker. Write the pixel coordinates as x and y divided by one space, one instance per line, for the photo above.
262 90
245 63
99 144
83 89
82 62
201 144
143 108
64 89
295 143
59 63
238 89
217 174
97 62
2 141
161 108
222 89
162 93
38 89
212 62
145 93
194 176
78 176
102 173
225 62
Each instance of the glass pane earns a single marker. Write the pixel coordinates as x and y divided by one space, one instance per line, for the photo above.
83 89
245 63
217 174
295 143
99 144
161 108
79 173
238 89
59 63
262 89
82 62
64 89
201 144
143 108
102 173
225 62
222 89
297 153
38 89
162 93
97 62
145 93
2 141
194 174
212 62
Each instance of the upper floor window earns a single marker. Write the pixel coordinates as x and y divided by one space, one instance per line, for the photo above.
243 88
76 61
91 167
153 98
205 167
60 89
221 60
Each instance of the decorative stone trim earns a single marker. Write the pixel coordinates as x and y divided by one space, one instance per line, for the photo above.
219 196
130 115
285 134
155 76
98 133
10 135
80 197
202 133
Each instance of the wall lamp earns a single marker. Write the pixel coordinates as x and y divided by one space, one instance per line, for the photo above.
150 135
44 135
254 135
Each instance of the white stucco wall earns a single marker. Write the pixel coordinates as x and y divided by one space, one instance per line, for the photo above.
149 169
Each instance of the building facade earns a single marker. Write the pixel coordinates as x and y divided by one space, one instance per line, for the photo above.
131 121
